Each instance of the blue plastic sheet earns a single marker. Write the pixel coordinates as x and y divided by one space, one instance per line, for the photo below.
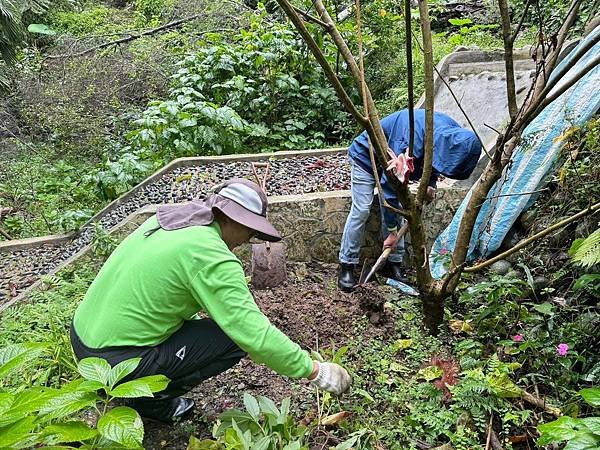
538 155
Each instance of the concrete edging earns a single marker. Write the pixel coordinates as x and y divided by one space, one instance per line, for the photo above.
20 244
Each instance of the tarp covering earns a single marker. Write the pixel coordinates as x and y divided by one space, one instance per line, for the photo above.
537 156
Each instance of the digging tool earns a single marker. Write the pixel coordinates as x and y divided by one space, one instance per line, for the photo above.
367 272
268 258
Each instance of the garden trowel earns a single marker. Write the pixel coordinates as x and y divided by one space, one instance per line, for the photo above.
368 270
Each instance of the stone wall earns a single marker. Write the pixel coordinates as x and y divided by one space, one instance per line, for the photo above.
312 224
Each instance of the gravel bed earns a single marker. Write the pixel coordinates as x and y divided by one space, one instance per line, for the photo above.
296 175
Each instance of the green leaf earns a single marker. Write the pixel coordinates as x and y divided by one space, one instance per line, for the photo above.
261 444
503 386
364 394
228 417
204 444
545 308
562 429
67 403
40 28
122 425
95 369
251 405
74 431
591 396
17 432
141 387
592 424
6 401
348 443
587 252
16 355
460 22
267 406
583 441
26 402
121 370
430 373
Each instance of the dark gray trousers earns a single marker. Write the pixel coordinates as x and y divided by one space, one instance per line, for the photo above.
194 353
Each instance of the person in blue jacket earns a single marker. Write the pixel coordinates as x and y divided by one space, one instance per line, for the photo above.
455 153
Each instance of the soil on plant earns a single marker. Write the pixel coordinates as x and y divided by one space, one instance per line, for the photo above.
312 311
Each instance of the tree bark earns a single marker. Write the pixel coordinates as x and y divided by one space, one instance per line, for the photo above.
508 59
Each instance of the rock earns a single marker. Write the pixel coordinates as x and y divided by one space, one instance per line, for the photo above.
513 274
501 267
540 282
585 227
512 238
528 218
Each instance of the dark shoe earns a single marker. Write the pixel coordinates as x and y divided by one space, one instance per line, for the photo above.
395 271
346 279
166 411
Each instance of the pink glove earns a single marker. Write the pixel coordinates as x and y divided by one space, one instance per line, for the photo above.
402 165
392 240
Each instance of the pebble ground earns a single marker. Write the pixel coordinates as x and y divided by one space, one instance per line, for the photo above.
295 175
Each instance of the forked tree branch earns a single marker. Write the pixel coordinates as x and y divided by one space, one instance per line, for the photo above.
320 57
547 99
590 210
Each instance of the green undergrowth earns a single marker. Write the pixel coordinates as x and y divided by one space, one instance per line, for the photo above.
224 83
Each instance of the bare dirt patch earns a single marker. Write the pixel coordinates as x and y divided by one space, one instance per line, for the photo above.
310 309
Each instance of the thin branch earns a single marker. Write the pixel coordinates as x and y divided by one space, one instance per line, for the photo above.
457 101
409 79
521 21
540 403
309 17
556 77
379 188
429 98
5 234
535 237
485 150
491 128
131 37
508 59
320 57
562 36
372 125
489 433
515 194
561 90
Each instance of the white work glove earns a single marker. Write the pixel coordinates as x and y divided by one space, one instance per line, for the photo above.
332 378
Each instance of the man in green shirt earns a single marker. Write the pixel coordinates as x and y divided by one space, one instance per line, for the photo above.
144 300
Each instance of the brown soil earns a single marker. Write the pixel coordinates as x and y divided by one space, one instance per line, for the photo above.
310 310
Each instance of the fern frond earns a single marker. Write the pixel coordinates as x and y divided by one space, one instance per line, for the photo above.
587 253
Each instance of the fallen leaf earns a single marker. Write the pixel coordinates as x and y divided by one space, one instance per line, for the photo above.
334 419
430 373
460 326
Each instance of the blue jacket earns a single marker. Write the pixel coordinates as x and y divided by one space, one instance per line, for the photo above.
455 151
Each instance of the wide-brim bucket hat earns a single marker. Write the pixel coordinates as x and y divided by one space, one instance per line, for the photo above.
246 203
239 199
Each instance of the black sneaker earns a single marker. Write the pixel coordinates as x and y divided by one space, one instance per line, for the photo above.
346 280
163 410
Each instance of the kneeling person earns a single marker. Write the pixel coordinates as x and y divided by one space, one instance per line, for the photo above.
180 261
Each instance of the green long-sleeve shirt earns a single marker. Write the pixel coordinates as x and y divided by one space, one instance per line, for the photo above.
150 285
